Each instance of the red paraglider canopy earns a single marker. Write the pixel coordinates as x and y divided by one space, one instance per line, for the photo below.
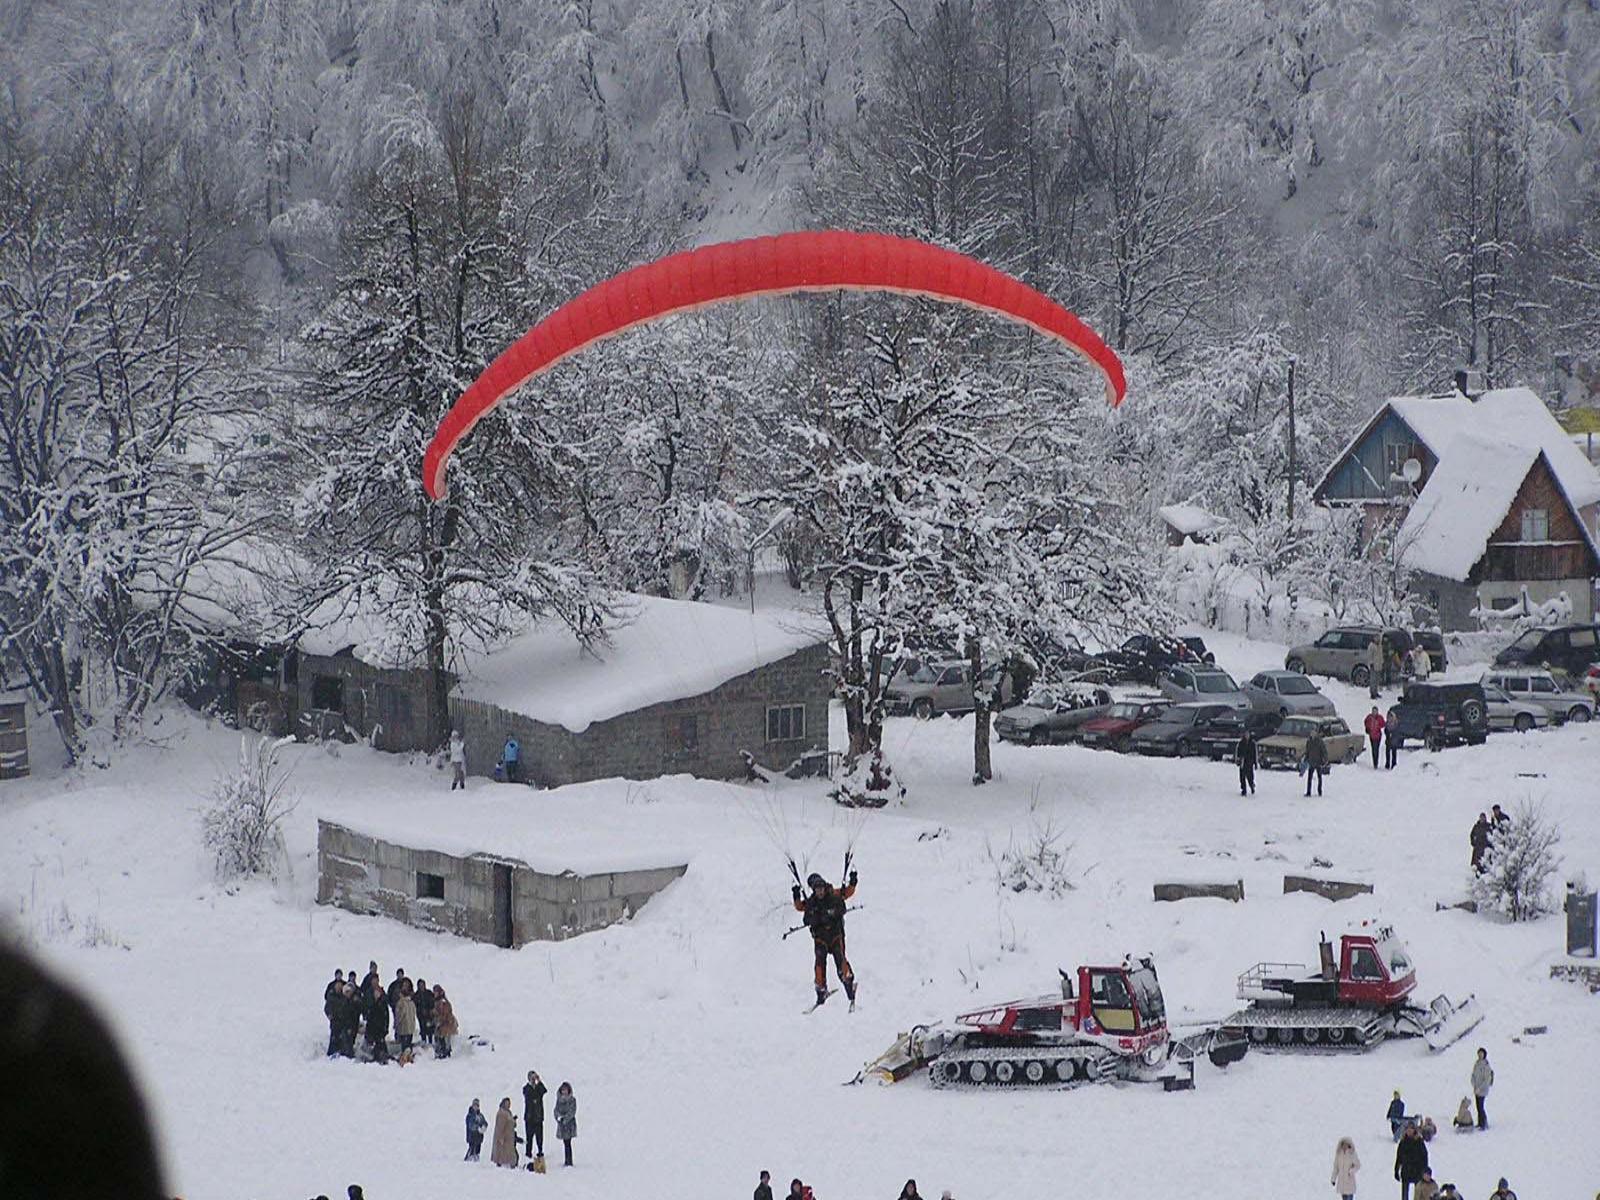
791 262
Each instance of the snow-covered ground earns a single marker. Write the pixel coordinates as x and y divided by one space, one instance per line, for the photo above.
682 1032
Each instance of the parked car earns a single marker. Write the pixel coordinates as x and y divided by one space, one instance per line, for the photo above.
1345 652
1570 648
940 687
1197 647
1223 734
1286 692
1432 641
1287 746
1187 684
1506 713
1144 656
1542 688
1115 729
1178 731
1052 714
1452 712
1057 655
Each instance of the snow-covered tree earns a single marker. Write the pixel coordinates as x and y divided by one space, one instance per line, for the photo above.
1520 864
435 283
130 446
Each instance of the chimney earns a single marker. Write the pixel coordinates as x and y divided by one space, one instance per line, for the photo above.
1469 383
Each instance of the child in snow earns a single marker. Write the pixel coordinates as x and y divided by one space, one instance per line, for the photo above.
1464 1121
566 1119
1346 1162
423 1002
1426 1188
1397 1116
476 1124
405 1019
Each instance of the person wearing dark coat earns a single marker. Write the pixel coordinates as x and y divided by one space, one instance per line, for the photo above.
823 914
335 986
476 1124
1316 761
378 1025
533 1093
339 1008
796 1189
909 1192
1245 755
764 1188
1410 1160
424 1002
1480 841
1396 1116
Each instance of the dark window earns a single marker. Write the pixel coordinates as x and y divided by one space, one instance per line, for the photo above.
327 691
1499 603
1364 964
786 723
430 887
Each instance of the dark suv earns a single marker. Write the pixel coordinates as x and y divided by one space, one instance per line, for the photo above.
1569 648
1440 713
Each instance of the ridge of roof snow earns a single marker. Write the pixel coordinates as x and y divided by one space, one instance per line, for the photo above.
663 650
1468 495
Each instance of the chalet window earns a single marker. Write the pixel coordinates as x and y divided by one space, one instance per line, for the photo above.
1500 603
786 722
430 887
327 692
1536 525
1394 458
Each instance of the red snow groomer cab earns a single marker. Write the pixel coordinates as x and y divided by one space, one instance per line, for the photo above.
1109 1023
1355 999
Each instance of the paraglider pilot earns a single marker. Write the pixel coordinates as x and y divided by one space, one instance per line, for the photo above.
823 912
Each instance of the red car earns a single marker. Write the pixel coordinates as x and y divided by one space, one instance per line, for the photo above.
1115 729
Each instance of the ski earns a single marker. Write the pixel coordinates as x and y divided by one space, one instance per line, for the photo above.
819 1003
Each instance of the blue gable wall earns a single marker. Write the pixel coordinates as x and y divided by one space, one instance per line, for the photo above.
1364 473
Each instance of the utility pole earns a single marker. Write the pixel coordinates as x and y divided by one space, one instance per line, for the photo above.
1291 443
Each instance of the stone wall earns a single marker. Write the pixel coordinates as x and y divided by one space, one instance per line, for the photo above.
654 741
366 874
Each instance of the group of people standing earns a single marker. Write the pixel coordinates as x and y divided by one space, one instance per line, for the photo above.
1412 1133
503 1150
414 1012
802 1191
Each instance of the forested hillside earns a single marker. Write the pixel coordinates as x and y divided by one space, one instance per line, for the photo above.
250 251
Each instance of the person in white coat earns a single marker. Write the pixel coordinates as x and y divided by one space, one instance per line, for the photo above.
1482 1081
458 761
1346 1162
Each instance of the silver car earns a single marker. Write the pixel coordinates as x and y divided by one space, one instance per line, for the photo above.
1287 693
1506 713
1052 714
941 687
1186 684
1534 686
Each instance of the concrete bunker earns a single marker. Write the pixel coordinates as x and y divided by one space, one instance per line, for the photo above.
480 895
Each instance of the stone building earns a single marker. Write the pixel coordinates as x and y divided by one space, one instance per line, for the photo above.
476 894
680 688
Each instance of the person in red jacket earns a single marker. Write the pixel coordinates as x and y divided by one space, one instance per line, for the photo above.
1374 725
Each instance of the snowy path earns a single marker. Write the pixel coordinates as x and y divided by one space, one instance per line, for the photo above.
682 1033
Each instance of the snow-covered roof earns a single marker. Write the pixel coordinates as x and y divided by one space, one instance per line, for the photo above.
1507 416
666 650
1189 518
535 829
1468 495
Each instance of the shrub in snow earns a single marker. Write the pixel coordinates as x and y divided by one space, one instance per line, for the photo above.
241 823
1519 865
1037 862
